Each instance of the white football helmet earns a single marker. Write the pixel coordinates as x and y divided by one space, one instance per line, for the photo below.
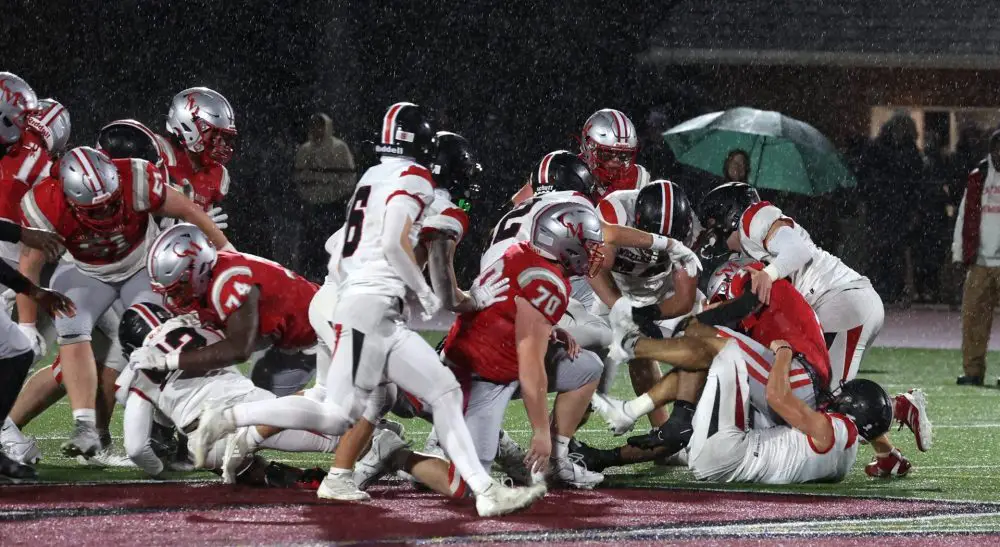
203 121
52 123
721 280
569 234
609 145
17 102
91 186
180 264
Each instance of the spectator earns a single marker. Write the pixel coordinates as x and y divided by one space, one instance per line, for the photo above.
324 177
737 166
977 245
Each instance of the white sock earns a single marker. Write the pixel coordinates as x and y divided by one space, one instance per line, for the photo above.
294 440
454 437
292 412
255 437
338 472
11 431
560 447
640 406
85 415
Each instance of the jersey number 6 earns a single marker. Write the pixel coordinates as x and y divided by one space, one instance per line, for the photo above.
355 219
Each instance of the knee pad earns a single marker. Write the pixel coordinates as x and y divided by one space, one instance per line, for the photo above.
451 395
76 329
379 403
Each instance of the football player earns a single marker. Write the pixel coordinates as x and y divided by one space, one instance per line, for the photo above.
609 145
848 307
505 348
103 209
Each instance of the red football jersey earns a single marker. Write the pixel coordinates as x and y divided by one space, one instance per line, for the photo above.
109 255
284 298
206 187
788 317
25 164
484 341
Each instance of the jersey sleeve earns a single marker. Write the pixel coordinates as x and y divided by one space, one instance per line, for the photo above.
612 212
415 183
37 209
449 219
755 223
148 186
545 290
223 189
230 290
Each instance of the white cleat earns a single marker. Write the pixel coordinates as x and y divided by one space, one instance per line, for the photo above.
432 447
510 459
341 488
572 472
238 449
378 461
502 500
106 457
910 409
613 411
24 452
214 423
395 427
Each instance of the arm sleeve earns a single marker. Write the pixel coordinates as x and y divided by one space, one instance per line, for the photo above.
790 253
13 279
730 313
956 242
137 425
10 232
397 212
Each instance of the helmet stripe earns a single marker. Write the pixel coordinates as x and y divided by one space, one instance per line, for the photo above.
89 171
543 169
388 136
147 315
52 114
667 218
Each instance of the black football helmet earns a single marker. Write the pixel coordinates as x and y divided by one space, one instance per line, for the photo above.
663 208
137 322
129 139
561 171
455 167
722 206
867 404
408 130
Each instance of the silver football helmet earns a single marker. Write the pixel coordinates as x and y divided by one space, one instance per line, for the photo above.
180 264
609 145
570 234
721 280
52 123
17 102
91 185
203 121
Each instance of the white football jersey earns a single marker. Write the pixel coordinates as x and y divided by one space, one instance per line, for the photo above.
823 275
178 394
362 263
643 275
516 225
784 455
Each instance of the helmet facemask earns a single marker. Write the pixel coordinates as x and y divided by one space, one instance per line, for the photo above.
216 143
610 165
103 217
180 295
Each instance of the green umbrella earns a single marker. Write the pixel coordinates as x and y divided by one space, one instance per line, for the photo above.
785 154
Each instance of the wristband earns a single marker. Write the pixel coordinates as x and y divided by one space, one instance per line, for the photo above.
173 360
660 243
779 348
228 247
771 272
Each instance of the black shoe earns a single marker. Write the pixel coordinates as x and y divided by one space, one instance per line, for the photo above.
965 380
594 459
10 469
672 435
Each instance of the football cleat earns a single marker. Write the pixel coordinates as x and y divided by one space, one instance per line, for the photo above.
106 457
395 427
910 409
498 499
22 451
341 487
613 411
672 435
85 441
214 423
432 446
510 459
884 467
14 472
594 459
239 448
573 472
378 460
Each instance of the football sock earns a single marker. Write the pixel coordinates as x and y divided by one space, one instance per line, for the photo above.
11 431
338 472
13 371
294 440
85 415
454 437
640 406
560 447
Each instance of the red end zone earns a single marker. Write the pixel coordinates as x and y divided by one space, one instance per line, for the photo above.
155 514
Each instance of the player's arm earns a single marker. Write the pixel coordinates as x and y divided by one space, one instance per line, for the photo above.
441 253
603 283
235 348
795 412
531 332
30 267
138 426
176 205
682 301
400 212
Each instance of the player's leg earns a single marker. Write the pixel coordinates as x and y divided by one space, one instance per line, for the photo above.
644 374
79 367
719 442
339 484
16 357
575 381
283 373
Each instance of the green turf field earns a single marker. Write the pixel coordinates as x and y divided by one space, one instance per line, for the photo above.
963 464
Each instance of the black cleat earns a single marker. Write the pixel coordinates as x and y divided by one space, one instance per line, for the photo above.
970 380
672 436
594 459
11 471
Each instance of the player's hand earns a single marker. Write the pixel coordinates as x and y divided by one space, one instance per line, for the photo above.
430 303
680 254
778 344
56 304
146 359
760 284
49 243
563 336
493 289
37 340
218 217
537 459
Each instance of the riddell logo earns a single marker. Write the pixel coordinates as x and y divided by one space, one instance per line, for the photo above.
388 149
